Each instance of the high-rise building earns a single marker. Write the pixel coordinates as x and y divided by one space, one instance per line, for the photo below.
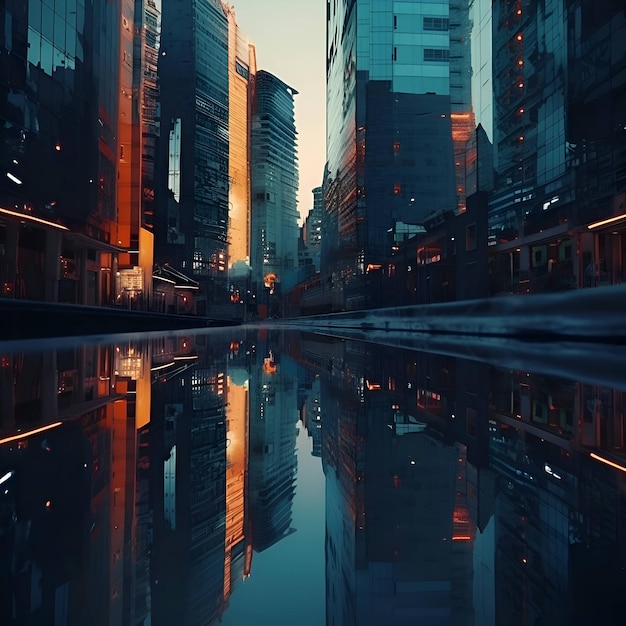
191 229
311 239
137 135
391 90
59 150
558 213
313 222
241 75
274 181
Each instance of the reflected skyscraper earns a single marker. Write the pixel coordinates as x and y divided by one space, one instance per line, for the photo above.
188 469
272 458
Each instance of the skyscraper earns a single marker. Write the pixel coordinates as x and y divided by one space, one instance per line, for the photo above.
390 93
192 226
558 213
274 179
59 78
241 75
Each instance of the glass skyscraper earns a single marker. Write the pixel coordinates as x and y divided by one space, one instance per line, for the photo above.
192 226
59 76
392 86
274 182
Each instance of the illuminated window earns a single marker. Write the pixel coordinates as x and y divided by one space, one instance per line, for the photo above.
397 189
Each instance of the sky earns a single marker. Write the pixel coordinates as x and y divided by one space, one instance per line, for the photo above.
290 40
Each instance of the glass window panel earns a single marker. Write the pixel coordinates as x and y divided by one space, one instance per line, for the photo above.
80 17
47 22
59 59
59 31
46 56
34 47
70 40
34 14
70 7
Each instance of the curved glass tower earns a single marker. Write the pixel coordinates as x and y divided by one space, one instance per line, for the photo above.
274 182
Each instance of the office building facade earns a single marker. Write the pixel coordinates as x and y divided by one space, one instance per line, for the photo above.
389 131
274 181
191 228
557 215
241 76
59 149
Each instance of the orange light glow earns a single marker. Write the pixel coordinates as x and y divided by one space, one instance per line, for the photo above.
30 433
593 455
31 218
610 220
461 538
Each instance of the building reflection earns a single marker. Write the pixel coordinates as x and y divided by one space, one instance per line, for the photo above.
462 493
138 479
273 464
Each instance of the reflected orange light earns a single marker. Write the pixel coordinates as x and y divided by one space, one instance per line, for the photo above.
31 218
461 538
30 433
593 455
607 221
372 386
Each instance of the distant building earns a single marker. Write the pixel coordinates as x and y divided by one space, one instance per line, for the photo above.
274 179
311 249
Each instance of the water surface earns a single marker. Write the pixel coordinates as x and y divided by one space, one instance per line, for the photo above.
270 476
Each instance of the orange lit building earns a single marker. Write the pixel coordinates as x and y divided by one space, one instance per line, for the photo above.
77 187
235 556
241 75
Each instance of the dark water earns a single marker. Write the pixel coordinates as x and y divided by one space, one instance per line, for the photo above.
272 477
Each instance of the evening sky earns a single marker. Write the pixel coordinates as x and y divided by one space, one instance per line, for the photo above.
290 40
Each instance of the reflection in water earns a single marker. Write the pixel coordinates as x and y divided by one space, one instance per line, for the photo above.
137 481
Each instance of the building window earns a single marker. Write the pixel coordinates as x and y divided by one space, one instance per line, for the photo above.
470 237
436 23
436 54
397 189
242 70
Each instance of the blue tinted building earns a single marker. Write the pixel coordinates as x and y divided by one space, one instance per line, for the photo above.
395 74
274 184
191 228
